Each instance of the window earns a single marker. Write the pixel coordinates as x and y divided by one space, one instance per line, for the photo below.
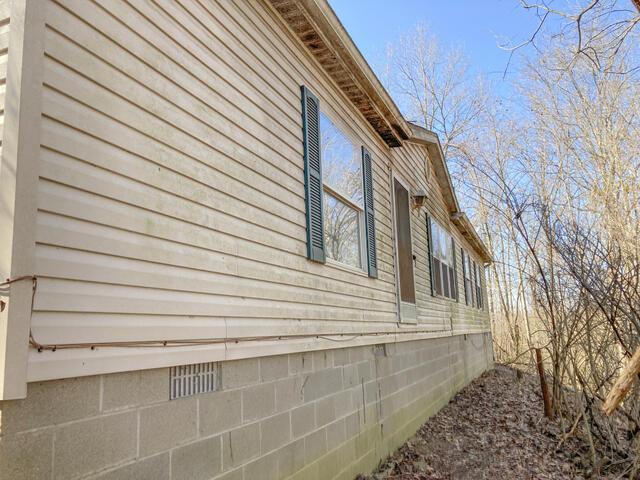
339 200
473 278
443 261
343 195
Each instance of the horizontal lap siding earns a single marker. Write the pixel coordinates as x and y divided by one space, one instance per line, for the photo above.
4 54
171 196
455 315
409 163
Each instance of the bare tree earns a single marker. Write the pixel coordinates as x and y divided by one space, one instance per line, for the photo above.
554 186
580 220
436 89
594 29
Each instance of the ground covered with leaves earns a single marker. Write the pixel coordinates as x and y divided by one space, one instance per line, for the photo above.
493 429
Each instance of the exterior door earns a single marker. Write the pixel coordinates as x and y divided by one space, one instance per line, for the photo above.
404 253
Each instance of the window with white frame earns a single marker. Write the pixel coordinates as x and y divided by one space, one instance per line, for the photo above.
443 261
343 195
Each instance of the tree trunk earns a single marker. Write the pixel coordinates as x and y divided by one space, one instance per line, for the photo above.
548 411
624 383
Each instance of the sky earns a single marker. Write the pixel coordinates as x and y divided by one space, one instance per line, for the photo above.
477 26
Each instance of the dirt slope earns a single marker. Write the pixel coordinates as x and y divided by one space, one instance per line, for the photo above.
493 429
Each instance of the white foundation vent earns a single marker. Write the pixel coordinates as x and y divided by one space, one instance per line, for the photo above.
187 380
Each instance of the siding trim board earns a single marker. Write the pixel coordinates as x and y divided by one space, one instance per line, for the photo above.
18 188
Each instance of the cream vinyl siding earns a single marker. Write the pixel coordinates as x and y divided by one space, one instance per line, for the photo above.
437 312
171 195
5 7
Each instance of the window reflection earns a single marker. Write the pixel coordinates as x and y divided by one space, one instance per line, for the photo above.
343 195
342 231
443 265
341 162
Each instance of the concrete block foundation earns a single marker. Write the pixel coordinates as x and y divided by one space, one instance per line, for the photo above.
322 415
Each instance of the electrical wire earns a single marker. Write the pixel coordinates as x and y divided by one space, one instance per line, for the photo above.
332 337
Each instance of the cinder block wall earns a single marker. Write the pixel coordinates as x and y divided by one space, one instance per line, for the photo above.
320 415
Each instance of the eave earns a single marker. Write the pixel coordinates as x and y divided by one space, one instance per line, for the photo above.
320 30
431 141
322 33
464 225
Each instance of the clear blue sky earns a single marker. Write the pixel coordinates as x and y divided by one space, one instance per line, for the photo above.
478 26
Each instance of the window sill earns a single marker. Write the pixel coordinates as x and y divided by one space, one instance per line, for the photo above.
346 268
473 307
442 297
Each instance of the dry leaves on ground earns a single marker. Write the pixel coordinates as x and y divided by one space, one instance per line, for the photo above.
493 429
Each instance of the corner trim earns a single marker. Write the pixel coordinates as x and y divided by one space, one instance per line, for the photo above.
18 189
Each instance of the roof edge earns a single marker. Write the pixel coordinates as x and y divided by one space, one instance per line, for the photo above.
315 23
319 29
431 140
463 223
460 219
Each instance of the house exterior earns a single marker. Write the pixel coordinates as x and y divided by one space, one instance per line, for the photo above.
227 254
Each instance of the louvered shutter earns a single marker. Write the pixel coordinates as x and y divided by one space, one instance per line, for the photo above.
464 276
482 286
444 289
313 175
475 284
455 270
430 254
480 296
472 265
369 216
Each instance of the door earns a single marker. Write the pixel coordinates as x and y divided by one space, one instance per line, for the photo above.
404 253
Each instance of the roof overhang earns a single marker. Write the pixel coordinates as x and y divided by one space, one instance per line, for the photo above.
320 30
431 141
465 226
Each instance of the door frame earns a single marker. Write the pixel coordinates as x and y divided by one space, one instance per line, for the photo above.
407 312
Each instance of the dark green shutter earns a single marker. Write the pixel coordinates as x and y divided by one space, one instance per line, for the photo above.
369 216
479 288
464 277
472 265
455 269
313 175
430 253
481 296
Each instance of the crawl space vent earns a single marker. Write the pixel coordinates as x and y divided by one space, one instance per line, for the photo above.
187 380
